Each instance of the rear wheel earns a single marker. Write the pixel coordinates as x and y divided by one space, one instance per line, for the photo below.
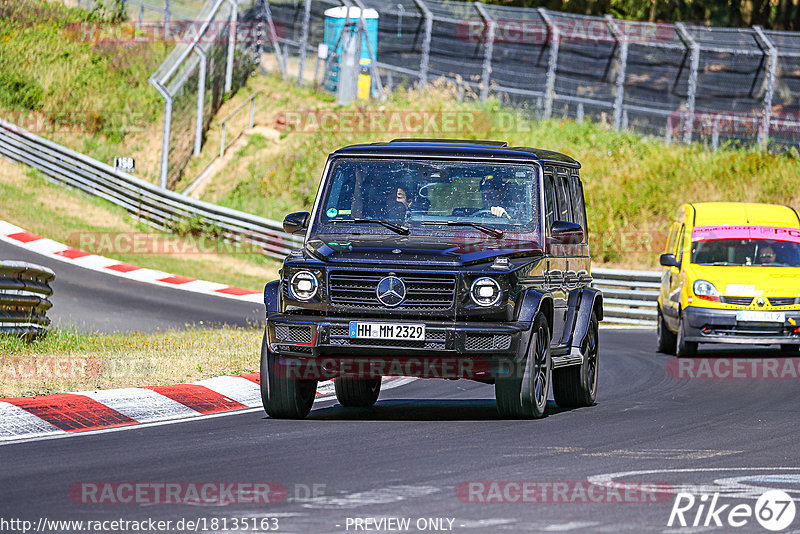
283 397
576 385
683 348
666 339
357 392
524 394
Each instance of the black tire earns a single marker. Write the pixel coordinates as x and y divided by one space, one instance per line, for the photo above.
576 385
789 348
283 398
523 395
683 348
667 341
357 392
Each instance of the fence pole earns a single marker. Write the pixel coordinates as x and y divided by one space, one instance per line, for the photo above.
490 26
425 57
691 95
304 41
373 54
552 63
772 65
231 45
273 35
622 64
167 10
166 132
201 97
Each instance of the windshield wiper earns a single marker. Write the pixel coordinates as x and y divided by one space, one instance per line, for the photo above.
494 232
399 228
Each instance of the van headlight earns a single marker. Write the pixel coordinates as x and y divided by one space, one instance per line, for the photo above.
706 290
485 291
304 285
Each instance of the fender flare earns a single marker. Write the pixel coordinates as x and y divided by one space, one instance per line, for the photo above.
272 294
591 299
532 303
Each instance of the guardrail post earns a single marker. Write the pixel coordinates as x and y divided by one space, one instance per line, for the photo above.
231 45
622 64
304 41
691 95
425 56
772 65
490 26
201 97
552 63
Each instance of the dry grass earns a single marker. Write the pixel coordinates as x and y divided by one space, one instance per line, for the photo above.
64 361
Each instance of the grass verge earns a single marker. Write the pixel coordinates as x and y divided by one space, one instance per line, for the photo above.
66 360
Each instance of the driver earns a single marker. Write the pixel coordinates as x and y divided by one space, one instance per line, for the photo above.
495 195
767 255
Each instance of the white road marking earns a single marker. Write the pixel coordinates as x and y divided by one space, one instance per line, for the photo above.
16 423
387 495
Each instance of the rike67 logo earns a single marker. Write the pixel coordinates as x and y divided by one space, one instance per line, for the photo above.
774 510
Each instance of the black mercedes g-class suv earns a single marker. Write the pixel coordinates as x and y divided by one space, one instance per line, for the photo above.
437 258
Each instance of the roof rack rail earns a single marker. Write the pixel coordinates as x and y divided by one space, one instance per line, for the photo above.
452 141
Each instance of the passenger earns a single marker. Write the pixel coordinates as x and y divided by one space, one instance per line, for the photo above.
495 192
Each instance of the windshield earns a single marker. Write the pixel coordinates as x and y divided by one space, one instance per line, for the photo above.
746 245
430 195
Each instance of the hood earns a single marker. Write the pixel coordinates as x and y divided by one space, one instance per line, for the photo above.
441 250
750 280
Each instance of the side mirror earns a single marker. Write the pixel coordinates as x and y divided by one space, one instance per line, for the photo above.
669 260
565 233
296 223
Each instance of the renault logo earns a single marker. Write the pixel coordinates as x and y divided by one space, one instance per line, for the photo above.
391 291
760 301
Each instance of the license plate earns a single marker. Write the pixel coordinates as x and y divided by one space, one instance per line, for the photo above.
761 316
415 332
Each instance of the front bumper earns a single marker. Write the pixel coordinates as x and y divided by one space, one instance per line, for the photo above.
708 325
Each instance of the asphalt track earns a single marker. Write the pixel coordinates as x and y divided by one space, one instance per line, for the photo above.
94 301
407 456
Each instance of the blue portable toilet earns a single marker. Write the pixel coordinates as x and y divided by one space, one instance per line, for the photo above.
335 18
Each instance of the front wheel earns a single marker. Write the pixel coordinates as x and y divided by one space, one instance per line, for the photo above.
666 339
283 397
524 394
683 348
357 392
576 385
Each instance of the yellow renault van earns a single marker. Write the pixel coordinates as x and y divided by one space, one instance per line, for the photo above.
731 275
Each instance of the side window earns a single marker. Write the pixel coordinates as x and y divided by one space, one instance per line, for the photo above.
679 242
562 193
673 235
550 207
578 208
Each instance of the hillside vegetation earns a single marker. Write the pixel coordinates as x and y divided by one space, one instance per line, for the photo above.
633 185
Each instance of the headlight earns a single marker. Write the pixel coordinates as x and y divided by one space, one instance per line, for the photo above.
304 285
705 290
485 291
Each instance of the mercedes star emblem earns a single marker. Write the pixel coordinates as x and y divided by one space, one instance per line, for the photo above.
391 291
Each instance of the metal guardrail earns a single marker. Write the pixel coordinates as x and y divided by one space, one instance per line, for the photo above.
628 296
158 207
24 292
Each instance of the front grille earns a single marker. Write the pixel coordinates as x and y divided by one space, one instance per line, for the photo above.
749 330
352 289
783 301
488 342
294 348
739 301
294 334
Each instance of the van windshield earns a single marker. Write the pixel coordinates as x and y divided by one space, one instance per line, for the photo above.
759 252
430 194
